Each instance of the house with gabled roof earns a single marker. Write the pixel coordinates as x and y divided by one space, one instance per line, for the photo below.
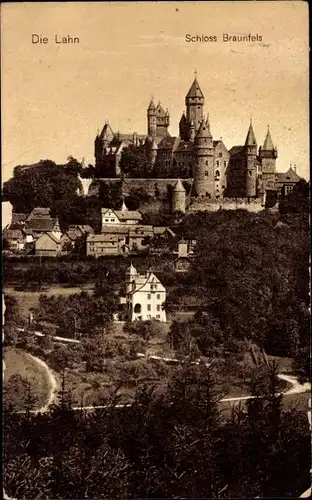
48 244
111 216
145 296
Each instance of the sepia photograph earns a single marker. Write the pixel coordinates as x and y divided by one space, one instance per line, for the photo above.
155 250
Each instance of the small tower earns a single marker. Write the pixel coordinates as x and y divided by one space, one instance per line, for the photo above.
268 154
178 197
251 164
204 162
124 207
194 102
130 276
151 119
162 121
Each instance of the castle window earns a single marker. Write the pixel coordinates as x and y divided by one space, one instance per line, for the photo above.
250 172
217 173
217 163
224 163
206 162
220 155
206 173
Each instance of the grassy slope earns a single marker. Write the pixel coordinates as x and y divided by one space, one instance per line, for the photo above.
19 362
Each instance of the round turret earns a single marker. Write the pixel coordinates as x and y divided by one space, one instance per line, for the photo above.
178 197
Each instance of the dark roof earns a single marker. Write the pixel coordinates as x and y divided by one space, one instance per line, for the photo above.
168 142
41 225
285 177
195 90
13 234
18 217
39 212
185 146
235 150
250 139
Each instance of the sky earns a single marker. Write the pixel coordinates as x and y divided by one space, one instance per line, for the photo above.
56 96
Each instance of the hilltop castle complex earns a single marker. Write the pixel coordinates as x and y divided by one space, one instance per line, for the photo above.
244 171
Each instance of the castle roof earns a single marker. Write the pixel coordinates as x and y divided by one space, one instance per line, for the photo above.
107 133
286 177
250 139
183 118
268 144
203 130
235 150
151 105
178 187
160 110
195 90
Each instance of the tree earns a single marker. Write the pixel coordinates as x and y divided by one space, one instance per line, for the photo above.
135 163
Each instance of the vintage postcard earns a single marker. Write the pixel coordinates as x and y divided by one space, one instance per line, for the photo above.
155 248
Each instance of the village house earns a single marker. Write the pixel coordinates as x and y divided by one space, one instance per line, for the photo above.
39 221
123 216
145 296
48 245
184 259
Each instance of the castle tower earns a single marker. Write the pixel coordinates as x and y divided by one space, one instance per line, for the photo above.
204 162
130 276
162 121
178 197
268 154
251 164
101 144
194 102
151 119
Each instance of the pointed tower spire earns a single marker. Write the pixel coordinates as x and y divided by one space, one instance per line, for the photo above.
124 206
268 144
250 139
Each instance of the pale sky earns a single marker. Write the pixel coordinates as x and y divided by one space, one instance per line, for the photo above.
56 96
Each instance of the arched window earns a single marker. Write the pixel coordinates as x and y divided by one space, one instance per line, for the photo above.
217 173
206 162
137 308
206 173
217 163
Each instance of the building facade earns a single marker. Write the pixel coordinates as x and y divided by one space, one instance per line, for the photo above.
145 296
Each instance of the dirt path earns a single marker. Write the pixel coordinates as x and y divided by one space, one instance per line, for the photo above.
52 381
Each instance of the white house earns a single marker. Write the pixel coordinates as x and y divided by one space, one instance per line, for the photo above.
145 296
122 216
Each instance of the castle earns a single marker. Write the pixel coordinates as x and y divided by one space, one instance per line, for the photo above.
244 171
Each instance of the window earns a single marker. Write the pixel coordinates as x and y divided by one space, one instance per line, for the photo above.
217 163
206 173
137 308
206 162
250 173
224 163
148 296
220 155
158 296
106 220
217 173
112 220
148 307
157 316
155 286
158 308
